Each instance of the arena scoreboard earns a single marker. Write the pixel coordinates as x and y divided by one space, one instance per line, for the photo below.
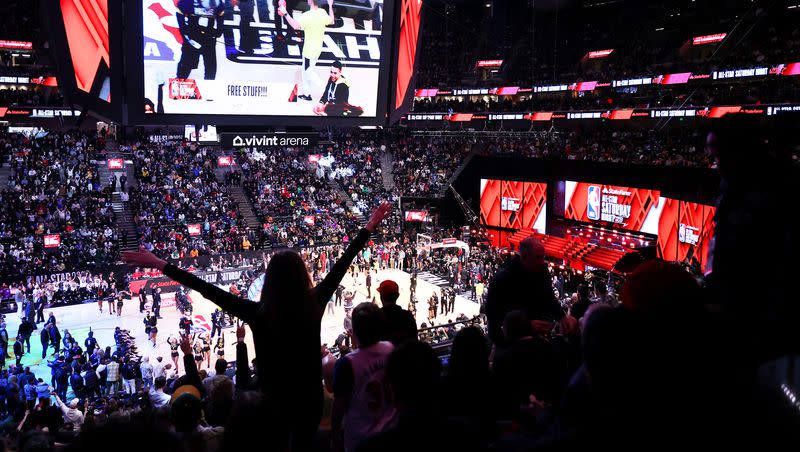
234 62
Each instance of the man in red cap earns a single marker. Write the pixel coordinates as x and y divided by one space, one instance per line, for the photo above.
400 324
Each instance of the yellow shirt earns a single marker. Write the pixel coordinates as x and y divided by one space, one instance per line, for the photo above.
314 22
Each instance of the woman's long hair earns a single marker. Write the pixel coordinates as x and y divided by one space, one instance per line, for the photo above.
469 358
286 294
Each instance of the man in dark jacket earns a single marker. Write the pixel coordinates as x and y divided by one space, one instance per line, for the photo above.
336 96
76 381
3 341
90 343
25 330
40 310
339 291
18 349
30 310
524 284
91 381
45 338
157 302
185 325
200 23
61 374
55 338
400 324
216 322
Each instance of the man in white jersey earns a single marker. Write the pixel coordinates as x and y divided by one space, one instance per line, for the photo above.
362 405
313 23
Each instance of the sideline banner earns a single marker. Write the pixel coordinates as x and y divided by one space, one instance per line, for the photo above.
168 285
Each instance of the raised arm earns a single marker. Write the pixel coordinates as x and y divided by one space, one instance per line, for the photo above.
243 380
192 376
330 12
325 289
239 307
289 19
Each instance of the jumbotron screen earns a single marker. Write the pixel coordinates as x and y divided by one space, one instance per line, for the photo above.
514 204
634 209
684 229
262 57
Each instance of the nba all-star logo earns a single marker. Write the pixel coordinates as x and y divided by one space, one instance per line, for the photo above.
593 202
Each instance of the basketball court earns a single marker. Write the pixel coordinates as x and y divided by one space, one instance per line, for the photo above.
79 319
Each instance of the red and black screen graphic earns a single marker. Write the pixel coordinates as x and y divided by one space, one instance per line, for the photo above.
513 204
86 26
623 207
410 11
685 230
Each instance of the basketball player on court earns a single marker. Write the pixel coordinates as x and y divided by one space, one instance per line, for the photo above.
313 23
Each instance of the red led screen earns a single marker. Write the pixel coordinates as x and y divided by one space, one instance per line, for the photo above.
513 204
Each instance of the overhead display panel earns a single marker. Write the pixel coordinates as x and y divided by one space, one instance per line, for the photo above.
513 204
261 58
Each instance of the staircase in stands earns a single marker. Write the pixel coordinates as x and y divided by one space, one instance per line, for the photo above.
236 192
128 235
387 170
337 188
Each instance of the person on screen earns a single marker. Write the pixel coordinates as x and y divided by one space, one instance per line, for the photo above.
249 40
200 23
334 100
290 5
313 23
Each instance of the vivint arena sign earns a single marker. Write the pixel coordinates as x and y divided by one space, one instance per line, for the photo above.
250 140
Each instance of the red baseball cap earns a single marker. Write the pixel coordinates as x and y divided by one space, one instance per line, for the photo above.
388 287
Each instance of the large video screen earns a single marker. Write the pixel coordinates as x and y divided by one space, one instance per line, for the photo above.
262 57
684 229
514 204
635 209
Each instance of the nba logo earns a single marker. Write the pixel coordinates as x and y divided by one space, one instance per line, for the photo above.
593 203
682 233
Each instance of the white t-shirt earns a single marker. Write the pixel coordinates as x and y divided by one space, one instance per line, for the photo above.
158 398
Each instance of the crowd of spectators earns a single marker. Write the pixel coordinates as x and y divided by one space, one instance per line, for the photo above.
562 363
355 164
466 271
54 188
684 148
70 288
657 41
30 98
177 187
298 207
93 385
423 165
457 384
